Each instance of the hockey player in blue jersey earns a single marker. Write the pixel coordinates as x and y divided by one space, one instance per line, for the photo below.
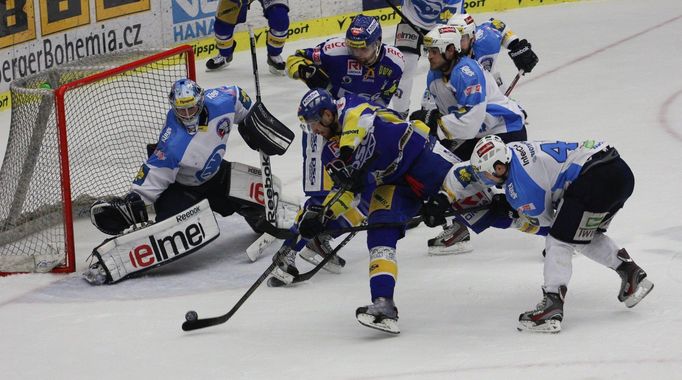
402 165
484 42
232 12
575 189
359 63
320 147
424 15
185 167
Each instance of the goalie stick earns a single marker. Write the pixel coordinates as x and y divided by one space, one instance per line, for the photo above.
193 322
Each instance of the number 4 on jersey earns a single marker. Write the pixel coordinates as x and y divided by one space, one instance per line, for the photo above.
558 150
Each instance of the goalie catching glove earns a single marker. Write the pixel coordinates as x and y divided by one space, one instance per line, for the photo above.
262 131
114 216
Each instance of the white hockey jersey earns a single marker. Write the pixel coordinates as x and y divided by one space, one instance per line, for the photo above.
427 13
192 159
540 172
471 103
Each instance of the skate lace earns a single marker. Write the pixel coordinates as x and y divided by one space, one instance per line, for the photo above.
447 232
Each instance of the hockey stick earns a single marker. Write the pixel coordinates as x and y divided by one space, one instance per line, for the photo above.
365 227
513 83
192 321
309 274
407 21
271 196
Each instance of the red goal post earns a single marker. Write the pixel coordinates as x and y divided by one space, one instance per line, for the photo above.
78 133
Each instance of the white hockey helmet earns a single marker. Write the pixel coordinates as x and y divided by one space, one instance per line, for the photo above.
187 100
443 36
464 23
488 151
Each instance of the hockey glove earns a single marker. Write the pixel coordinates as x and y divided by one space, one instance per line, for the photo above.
500 207
314 77
115 216
524 58
340 174
429 117
433 211
312 222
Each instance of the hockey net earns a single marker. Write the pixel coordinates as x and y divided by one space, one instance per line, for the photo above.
78 133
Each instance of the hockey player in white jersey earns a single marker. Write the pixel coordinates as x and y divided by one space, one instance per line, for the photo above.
575 189
469 104
424 15
185 167
484 42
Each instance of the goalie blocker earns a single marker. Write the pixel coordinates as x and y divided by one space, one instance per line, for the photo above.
122 257
262 131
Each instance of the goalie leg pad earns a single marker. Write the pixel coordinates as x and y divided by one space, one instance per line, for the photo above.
158 244
246 184
262 131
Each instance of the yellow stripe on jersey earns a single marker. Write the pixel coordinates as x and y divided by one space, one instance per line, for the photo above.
354 216
354 128
343 204
421 128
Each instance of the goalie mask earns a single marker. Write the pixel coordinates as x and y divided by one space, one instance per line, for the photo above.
187 100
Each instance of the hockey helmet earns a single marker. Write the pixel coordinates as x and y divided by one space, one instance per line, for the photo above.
443 36
464 23
313 103
488 151
187 100
363 39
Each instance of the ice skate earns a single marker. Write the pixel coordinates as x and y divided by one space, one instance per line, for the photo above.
454 239
276 65
285 271
634 285
218 63
381 315
317 249
95 274
547 316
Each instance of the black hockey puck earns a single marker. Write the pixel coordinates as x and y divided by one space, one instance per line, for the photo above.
191 316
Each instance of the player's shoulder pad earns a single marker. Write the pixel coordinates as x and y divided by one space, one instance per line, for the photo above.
172 143
488 41
468 71
335 47
393 55
496 24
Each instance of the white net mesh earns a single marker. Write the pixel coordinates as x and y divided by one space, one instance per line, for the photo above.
109 123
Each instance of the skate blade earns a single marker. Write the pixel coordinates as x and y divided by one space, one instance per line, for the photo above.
274 282
455 249
642 290
552 326
386 325
274 71
313 258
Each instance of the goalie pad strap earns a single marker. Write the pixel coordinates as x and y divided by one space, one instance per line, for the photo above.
157 244
262 131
